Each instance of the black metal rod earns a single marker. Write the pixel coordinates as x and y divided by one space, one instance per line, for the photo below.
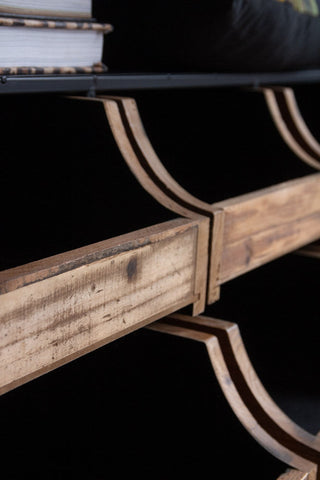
142 81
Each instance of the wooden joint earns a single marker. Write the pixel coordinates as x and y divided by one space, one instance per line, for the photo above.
267 224
245 232
216 249
136 149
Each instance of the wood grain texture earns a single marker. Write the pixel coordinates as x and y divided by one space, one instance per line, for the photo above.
264 225
287 118
128 130
244 232
59 308
136 149
255 409
217 247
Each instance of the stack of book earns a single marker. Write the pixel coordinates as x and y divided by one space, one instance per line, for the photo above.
49 37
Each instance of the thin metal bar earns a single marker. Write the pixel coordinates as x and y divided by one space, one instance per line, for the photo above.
138 81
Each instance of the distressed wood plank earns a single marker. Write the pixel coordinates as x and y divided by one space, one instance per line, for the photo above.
57 309
215 256
263 247
266 224
252 405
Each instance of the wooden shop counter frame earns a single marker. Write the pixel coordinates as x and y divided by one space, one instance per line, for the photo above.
59 308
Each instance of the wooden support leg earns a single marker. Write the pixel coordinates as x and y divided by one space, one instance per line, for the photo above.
258 413
241 233
245 232
291 126
127 128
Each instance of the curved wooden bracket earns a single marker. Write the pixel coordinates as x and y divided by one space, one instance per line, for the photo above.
134 144
287 117
136 149
129 133
255 409
235 237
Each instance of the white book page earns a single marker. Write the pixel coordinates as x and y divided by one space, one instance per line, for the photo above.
38 47
58 7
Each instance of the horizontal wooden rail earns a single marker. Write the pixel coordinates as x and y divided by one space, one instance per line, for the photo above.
245 231
266 224
59 308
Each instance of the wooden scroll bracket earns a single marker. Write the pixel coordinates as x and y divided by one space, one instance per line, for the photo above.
250 402
287 117
242 233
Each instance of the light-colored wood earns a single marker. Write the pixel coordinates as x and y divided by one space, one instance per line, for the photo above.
216 250
244 232
291 474
128 131
264 225
287 117
59 308
201 266
255 409
136 149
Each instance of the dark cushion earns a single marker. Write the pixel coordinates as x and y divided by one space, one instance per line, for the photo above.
254 35
216 35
